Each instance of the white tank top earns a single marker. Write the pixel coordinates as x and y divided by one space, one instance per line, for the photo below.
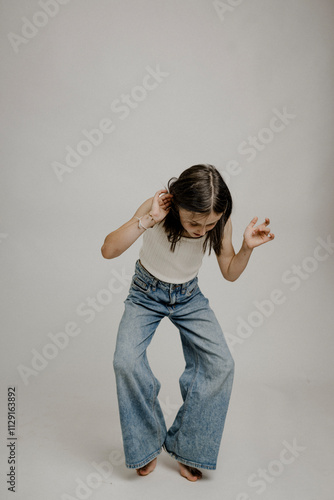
179 266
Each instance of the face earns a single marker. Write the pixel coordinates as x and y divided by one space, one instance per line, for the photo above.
197 225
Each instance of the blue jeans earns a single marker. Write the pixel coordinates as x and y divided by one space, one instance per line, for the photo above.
206 383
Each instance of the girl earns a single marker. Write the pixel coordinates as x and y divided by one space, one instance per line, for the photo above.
178 224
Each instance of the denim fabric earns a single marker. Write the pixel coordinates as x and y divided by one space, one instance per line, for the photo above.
206 383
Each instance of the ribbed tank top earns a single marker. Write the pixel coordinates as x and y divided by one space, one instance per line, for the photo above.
179 266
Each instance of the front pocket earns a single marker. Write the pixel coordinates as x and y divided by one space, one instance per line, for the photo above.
139 284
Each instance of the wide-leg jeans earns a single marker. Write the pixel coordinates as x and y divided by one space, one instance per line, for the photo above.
194 437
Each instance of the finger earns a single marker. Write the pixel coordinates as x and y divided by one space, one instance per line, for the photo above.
261 232
160 192
164 201
262 228
253 221
165 197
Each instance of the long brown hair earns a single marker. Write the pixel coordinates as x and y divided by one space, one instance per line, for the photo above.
199 189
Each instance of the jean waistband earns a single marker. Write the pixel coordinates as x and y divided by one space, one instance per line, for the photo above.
152 280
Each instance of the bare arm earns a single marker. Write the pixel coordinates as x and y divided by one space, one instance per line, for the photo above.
232 264
228 254
122 238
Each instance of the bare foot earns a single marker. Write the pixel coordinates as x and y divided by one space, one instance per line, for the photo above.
190 473
143 471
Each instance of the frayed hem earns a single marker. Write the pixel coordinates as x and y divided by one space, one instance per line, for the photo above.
144 462
190 463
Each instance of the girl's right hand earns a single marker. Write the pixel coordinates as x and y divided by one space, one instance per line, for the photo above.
161 205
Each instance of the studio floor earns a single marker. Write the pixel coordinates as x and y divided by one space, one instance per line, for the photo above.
277 444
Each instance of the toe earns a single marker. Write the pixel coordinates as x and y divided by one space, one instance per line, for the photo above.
190 473
195 472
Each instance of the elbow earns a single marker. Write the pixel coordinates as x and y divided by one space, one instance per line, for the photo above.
228 273
110 253
230 278
105 254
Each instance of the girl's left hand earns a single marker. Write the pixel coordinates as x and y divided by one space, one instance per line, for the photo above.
255 236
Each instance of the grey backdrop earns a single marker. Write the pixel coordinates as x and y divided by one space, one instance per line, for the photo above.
168 84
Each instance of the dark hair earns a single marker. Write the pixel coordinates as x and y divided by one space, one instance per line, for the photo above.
200 189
